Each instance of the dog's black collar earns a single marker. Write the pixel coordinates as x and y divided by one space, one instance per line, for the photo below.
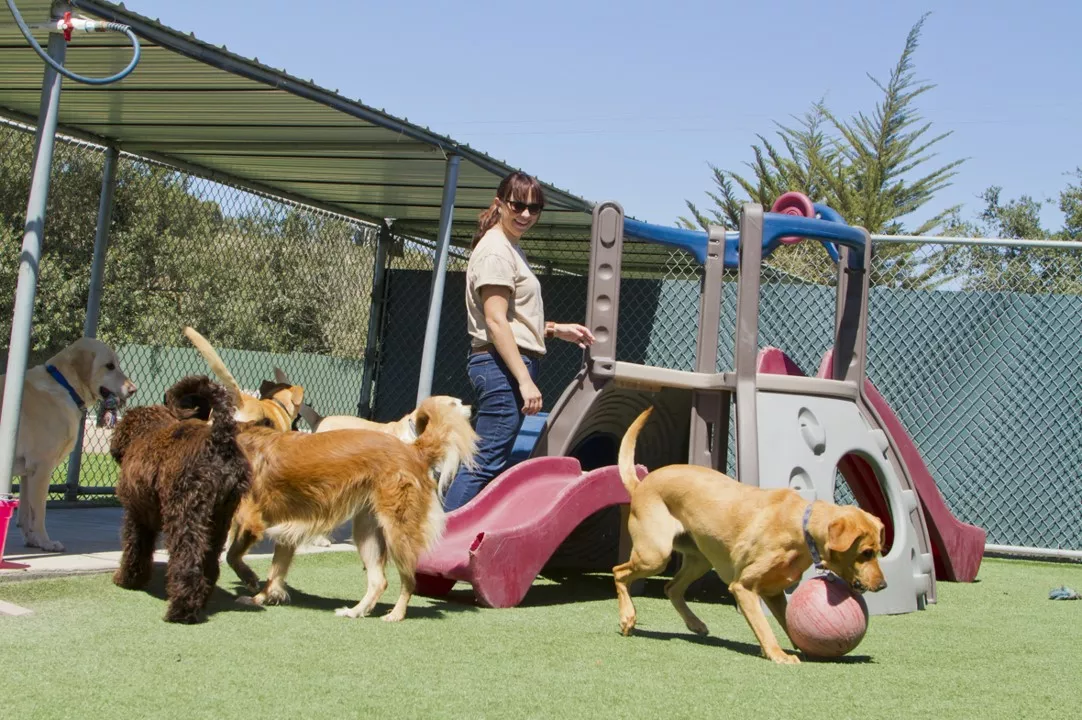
59 377
282 405
810 541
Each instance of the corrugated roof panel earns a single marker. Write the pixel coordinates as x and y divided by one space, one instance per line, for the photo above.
205 108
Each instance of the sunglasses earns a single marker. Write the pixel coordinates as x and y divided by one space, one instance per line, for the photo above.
518 207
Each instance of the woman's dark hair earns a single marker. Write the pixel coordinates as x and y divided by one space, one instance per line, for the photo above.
516 186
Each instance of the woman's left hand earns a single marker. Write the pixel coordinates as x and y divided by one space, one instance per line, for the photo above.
573 332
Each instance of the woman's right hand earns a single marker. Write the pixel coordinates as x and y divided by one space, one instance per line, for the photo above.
531 397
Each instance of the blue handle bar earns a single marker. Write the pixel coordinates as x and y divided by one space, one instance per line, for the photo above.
829 228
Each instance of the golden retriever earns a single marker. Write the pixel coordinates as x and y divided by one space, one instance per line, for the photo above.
277 402
307 484
406 428
55 395
753 538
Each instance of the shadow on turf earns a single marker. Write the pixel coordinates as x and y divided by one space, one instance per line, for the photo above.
743 648
577 587
435 607
220 600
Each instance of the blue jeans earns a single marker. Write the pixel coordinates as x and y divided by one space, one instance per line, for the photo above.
498 404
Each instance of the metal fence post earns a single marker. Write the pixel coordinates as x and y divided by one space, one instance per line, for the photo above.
435 304
93 302
375 320
29 261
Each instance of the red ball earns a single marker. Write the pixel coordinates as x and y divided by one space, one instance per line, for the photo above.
826 618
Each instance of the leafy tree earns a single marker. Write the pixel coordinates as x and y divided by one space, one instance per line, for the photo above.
1017 268
250 275
872 168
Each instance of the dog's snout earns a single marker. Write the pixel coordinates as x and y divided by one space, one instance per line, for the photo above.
130 388
882 585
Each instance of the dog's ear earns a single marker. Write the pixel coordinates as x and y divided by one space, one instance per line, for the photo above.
420 420
842 532
280 376
297 393
81 363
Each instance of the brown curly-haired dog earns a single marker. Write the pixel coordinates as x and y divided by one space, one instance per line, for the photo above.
183 476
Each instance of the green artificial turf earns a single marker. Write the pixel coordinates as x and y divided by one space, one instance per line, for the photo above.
997 648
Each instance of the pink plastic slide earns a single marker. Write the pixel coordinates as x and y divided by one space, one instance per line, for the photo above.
500 540
957 547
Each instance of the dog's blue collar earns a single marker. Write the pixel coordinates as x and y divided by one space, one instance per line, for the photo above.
810 541
59 377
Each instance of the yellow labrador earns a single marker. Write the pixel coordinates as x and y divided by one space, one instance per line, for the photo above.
54 397
758 541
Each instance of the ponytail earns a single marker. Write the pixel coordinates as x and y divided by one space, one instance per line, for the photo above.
486 221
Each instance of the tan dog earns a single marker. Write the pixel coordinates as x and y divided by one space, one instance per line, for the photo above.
406 428
277 402
753 538
307 484
52 408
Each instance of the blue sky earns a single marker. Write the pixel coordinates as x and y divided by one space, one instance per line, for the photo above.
631 100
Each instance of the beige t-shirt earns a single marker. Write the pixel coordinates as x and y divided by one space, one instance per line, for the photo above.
497 261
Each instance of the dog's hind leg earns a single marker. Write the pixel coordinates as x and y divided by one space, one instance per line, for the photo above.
186 586
212 559
693 566
274 592
373 551
137 557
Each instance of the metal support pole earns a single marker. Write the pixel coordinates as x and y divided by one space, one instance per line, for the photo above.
93 301
375 321
29 261
435 304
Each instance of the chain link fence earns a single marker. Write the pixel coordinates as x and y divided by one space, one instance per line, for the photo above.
975 347
268 283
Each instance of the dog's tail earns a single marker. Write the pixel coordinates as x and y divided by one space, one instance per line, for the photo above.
199 396
627 450
215 362
310 415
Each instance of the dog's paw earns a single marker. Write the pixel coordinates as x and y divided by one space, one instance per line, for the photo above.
44 543
698 627
128 582
274 596
184 616
627 625
394 616
350 612
320 541
246 600
784 658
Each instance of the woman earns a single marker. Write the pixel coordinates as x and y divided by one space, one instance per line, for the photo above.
507 327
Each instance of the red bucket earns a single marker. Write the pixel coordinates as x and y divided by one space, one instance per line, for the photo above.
7 509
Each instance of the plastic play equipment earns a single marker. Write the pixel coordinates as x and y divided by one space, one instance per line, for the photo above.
817 426
500 541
